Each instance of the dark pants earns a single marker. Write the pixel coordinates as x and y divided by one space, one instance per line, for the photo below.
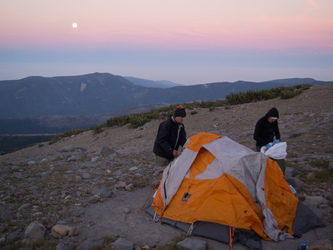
281 163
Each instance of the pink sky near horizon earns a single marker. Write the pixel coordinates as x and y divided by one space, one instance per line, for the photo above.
257 24
178 25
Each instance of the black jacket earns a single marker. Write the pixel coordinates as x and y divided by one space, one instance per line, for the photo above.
169 136
264 131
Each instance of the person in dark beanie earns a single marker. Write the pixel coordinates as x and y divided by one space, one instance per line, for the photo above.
266 129
170 135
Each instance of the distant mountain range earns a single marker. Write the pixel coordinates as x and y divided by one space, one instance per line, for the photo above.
152 84
91 94
93 98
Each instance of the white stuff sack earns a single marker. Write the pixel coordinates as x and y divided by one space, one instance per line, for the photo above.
278 151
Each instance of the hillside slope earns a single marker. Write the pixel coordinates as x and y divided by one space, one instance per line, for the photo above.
309 112
61 180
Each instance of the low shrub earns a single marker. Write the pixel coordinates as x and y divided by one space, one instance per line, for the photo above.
99 129
66 134
266 94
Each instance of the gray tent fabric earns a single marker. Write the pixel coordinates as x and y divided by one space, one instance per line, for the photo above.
305 219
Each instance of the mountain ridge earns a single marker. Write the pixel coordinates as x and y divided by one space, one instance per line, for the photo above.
54 105
103 93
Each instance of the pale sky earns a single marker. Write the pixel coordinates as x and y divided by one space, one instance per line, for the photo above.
184 41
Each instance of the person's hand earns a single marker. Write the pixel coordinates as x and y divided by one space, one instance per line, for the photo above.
268 145
175 153
276 141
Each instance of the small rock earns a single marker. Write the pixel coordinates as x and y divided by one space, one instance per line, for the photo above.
49 222
98 191
145 247
35 231
118 173
108 194
106 151
30 163
129 187
44 160
120 184
74 158
15 169
94 159
133 169
192 244
311 176
95 199
91 243
290 172
61 246
14 236
68 148
296 183
122 244
24 206
86 175
59 231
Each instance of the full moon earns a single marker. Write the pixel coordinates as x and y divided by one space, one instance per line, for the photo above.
74 25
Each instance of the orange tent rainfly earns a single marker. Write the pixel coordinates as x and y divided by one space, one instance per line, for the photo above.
223 190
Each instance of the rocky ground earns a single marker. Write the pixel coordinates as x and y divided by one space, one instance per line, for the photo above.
87 191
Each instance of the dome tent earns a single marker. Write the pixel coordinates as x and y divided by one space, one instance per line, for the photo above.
223 190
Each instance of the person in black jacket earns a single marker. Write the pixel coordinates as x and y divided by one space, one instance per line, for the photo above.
171 134
266 128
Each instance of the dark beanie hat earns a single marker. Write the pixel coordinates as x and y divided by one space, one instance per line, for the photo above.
180 111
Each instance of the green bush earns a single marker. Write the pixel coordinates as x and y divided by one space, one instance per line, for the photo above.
74 132
66 134
138 120
119 121
266 94
99 129
55 139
